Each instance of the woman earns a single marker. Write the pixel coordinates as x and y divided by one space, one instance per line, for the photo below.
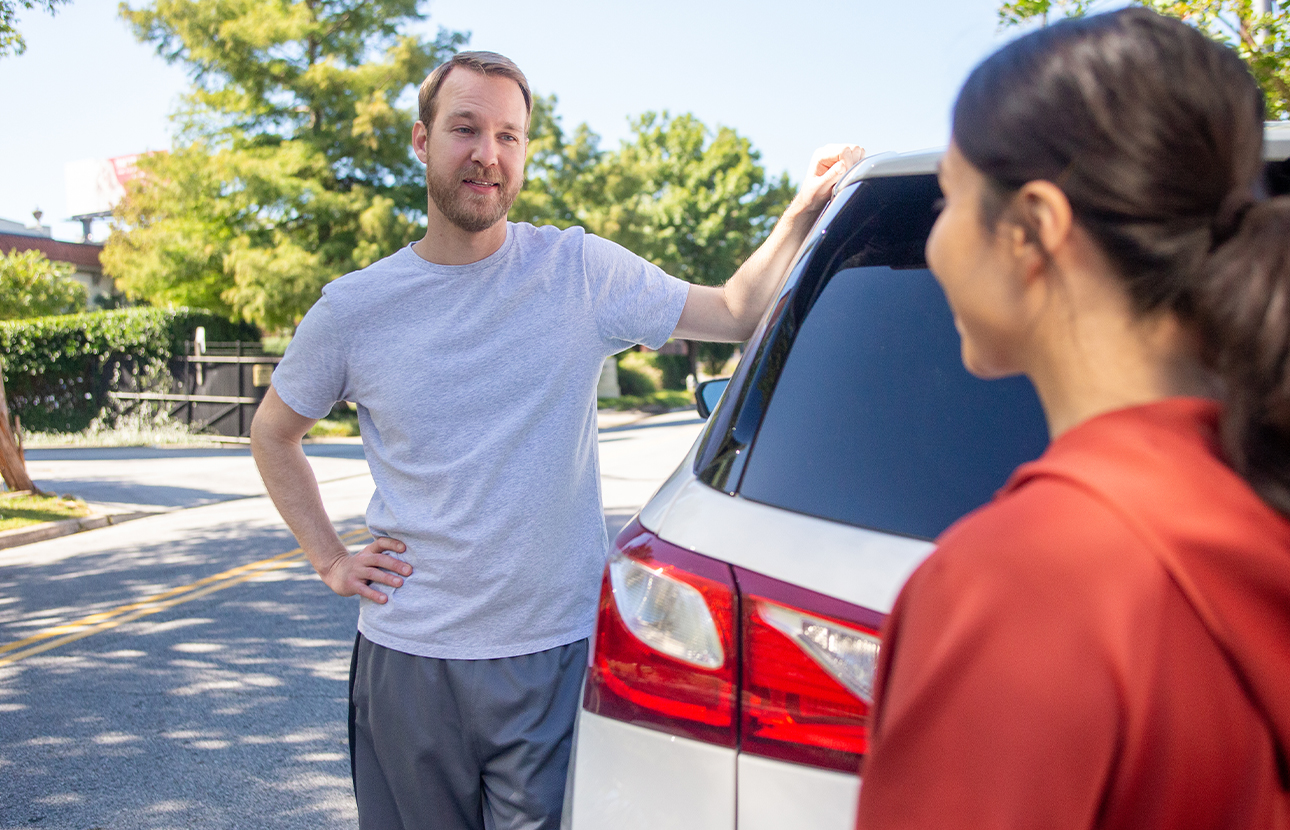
1107 643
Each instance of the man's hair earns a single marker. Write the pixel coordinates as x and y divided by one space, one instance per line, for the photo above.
485 63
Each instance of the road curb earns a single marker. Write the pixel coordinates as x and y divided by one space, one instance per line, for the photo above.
64 527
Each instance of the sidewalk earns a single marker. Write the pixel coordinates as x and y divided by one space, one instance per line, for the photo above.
123 483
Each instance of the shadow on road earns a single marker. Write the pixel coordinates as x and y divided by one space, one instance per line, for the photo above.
125 491
320 450
655 425
227 711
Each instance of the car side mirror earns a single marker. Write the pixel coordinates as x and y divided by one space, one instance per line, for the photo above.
708 393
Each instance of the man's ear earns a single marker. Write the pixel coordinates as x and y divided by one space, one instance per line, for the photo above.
420 136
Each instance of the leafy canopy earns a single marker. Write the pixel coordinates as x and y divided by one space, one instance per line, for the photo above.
1262 39
693 200
11 40
32 286
292 164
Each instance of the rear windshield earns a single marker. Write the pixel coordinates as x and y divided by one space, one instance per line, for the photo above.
875 422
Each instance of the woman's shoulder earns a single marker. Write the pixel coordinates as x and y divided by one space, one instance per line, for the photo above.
1047 535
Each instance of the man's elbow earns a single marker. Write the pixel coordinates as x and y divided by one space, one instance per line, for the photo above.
275 425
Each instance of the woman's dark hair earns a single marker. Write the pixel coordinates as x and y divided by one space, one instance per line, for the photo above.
1155 134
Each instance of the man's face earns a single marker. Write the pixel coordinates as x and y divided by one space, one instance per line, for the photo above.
474 150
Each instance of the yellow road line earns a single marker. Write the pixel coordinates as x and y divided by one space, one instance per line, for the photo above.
105 620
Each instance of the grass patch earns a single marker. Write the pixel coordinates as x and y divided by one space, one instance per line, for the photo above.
336 426
664 401
21 511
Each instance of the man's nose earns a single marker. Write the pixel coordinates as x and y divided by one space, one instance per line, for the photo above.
485 151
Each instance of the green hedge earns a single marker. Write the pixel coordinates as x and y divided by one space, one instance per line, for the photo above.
58 370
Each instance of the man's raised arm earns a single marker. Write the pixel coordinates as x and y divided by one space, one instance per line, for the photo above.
730 313
275 443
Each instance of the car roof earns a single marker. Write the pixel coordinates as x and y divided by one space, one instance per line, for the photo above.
1276 147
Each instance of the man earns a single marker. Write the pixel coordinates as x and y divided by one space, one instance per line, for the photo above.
473 356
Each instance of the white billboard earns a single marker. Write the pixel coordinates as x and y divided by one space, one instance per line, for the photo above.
94 186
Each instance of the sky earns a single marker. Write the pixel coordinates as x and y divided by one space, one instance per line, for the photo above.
789 75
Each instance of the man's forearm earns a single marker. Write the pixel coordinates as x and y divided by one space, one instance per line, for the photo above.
752 288
294 490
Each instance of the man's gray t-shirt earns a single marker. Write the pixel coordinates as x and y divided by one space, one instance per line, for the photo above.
476 395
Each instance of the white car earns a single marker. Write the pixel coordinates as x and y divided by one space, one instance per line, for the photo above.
738 630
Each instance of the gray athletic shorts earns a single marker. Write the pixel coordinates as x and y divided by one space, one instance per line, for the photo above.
470 744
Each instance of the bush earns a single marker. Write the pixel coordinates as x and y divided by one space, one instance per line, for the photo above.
713 357
634 382
675 369
637 374
32 286
58 370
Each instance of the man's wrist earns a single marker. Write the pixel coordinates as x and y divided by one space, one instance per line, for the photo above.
324 562
797 218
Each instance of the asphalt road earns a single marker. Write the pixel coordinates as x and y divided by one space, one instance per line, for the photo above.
188 670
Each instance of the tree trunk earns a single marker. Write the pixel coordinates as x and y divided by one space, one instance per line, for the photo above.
12 464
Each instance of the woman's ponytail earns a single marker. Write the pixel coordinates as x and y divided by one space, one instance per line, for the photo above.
1242 307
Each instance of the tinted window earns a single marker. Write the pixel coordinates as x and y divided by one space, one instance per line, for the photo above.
875 422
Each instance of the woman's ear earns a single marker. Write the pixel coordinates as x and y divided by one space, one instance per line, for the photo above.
1043 217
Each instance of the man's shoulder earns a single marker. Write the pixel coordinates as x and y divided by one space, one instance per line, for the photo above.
400 261
369 285
547 237
596 252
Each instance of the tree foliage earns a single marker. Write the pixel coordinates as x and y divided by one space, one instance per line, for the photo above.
1261 39
11 40
292 164
32 286
692 200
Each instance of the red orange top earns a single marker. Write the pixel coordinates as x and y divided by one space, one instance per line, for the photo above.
1106 644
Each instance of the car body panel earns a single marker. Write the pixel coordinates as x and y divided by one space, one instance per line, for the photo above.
860 566
881 165
1276 140
774 795
631 778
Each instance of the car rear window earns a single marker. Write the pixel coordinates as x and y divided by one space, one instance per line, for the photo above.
875 422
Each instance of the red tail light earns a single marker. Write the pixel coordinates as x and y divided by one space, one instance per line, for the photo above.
690 646
808 662
665 652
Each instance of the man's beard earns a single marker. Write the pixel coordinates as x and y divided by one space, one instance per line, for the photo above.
472 212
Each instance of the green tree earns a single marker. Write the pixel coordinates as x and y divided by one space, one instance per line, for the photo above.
292 164
561 178
1261 38
692 200
32 286
11 40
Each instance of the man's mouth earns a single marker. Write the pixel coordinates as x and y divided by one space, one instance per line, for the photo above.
482 183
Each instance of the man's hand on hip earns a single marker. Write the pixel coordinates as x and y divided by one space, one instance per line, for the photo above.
348 575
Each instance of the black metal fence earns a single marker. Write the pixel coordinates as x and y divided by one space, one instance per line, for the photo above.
216 387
